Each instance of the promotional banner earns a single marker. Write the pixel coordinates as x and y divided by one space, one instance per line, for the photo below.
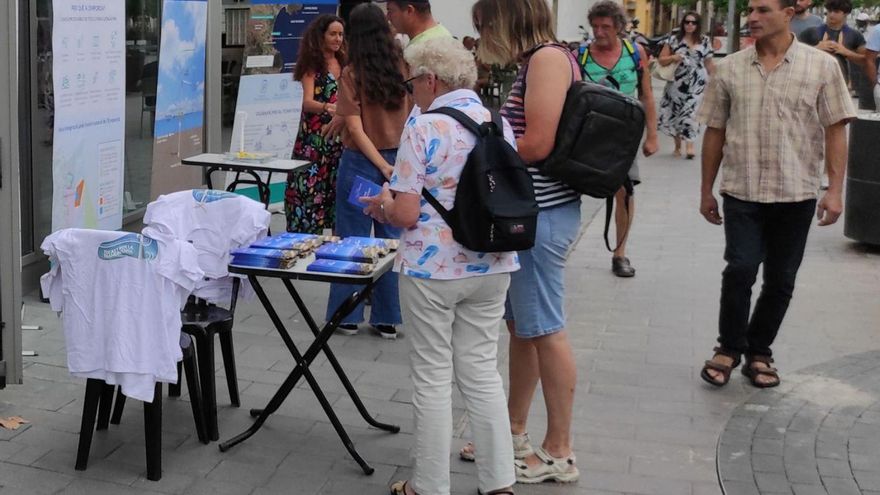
267 118
88 47
275 30
180 96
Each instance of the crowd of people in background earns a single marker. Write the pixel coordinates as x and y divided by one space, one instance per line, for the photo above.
367 85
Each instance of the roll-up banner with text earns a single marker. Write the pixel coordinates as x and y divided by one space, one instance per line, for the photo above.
88 63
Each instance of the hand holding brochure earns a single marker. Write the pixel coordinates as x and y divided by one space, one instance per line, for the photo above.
363 188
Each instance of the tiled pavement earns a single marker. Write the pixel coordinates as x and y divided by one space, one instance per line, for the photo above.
819 433
644 421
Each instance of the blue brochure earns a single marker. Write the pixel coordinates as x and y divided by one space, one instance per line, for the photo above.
362 187
338 266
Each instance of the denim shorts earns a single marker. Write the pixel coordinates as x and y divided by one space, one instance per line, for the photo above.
536 297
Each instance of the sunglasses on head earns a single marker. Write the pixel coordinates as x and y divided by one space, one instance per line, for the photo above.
692 23
408 85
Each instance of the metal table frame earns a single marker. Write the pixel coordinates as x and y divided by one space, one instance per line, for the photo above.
320 344
214 162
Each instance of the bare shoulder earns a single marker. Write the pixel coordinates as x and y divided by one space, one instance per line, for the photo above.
549 56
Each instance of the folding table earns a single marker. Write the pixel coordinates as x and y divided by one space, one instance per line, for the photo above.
216 162
320 344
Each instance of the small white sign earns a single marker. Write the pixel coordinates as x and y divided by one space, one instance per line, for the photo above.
260 61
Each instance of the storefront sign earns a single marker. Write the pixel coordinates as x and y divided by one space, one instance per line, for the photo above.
180 96
267 119
88 48
275 30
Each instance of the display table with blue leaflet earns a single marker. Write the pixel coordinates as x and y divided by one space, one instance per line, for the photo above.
320 344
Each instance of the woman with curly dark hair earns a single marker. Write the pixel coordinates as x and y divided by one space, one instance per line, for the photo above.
310 195
374 104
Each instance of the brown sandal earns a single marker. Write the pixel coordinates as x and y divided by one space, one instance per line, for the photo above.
752 373
721 368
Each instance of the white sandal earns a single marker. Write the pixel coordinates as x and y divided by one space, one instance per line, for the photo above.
558 469
522 448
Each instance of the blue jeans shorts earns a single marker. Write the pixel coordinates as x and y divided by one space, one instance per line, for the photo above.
536 297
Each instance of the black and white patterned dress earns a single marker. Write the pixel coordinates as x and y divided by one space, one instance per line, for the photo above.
682 96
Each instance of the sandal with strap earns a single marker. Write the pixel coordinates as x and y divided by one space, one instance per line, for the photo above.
522 448
399 487
558 469
752 373
725 370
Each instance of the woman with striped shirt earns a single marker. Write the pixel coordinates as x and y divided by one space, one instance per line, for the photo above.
522 31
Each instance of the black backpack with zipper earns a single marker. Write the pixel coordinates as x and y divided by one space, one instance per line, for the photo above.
597 140
495 208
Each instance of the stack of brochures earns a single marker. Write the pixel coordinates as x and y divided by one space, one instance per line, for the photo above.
339 266
279 259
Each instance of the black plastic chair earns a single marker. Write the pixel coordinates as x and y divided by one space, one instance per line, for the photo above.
99 399
203 321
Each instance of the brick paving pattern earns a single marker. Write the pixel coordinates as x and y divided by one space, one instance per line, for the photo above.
819 433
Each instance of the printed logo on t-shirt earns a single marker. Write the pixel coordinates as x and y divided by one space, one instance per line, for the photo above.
129 245
209 195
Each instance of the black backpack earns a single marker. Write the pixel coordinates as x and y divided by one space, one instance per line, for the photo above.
495 208
597 141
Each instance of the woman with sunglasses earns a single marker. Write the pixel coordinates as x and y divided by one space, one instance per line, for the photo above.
693 53
374 104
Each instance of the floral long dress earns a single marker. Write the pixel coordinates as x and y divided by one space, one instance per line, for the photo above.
683 95
310 197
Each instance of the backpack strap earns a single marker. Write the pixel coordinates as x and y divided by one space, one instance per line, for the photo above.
469 123
637 60
462 118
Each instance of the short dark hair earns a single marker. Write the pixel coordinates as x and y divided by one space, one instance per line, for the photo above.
608 8
841 5
420 7
788 3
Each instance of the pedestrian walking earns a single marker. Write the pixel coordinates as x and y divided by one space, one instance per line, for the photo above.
837 38
803 19
522 31
692 53
310 195
374 105
773 111
453 299
615 61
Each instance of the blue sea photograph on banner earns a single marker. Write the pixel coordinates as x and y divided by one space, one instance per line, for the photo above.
275 29
180 92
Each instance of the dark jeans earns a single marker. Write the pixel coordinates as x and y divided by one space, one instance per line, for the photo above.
774 234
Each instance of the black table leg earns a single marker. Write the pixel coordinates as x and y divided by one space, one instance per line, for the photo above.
359 404
301 370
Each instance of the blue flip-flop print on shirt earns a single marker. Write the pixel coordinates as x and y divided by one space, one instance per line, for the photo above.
478 268
418 273
427 254
431 150
431 169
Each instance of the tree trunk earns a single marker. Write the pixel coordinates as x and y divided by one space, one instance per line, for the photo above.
734 36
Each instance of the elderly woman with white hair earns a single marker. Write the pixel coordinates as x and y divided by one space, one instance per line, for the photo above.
452 298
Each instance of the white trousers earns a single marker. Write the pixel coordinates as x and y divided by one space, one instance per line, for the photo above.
453 328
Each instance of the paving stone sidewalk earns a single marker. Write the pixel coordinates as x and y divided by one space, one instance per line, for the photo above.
644 421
